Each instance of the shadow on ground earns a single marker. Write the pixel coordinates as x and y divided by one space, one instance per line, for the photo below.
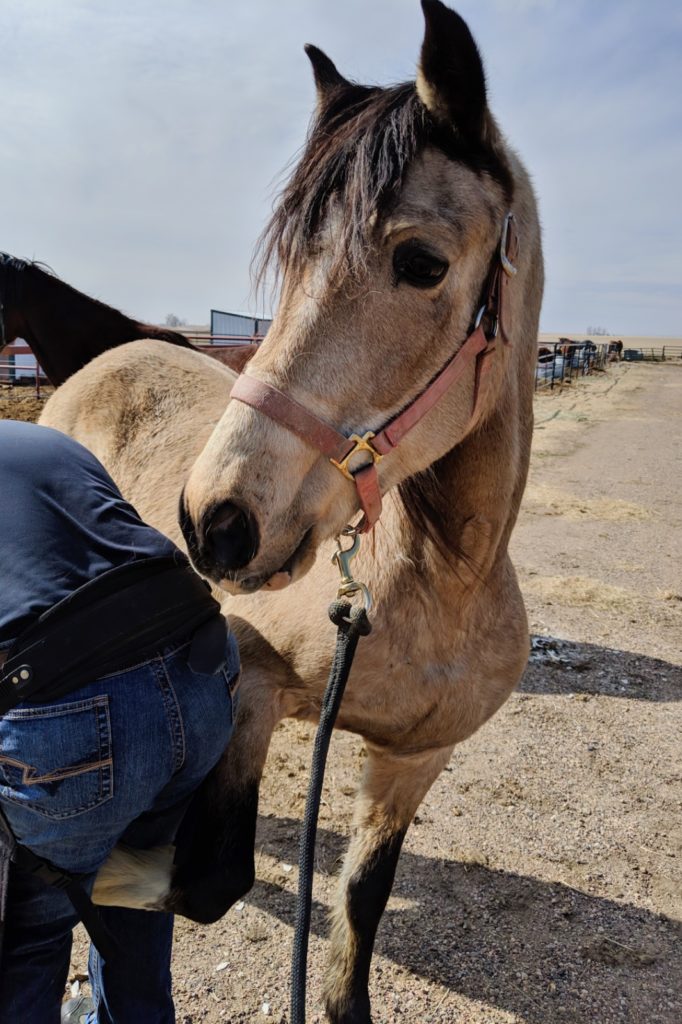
564 666
542 950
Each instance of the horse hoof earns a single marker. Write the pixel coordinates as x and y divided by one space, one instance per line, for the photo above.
354 1011
137 879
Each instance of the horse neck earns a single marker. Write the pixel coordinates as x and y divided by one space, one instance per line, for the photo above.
66 328
478 487
53 305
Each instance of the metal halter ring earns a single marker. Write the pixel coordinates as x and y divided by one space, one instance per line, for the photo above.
492 334
507 264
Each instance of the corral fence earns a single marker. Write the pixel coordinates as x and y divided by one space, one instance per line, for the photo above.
558 363
561 362
654 354
20 372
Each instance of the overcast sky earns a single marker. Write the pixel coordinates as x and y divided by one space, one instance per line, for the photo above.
141 141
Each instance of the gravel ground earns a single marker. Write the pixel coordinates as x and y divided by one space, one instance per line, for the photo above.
540 882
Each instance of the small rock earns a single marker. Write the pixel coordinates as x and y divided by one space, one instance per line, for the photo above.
265 1009
222 965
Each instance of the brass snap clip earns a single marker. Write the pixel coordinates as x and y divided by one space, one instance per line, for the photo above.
349 586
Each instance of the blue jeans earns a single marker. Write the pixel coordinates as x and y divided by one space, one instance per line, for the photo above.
116 760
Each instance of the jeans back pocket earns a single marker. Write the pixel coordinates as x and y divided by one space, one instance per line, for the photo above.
56 760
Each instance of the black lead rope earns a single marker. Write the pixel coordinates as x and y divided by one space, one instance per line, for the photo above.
352 623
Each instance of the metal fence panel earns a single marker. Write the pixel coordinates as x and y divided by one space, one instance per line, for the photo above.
237 325
560 362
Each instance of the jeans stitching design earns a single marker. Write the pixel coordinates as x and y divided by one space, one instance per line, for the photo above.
173 714
55 710
29 777
102 789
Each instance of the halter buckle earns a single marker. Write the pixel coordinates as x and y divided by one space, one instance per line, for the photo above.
362 444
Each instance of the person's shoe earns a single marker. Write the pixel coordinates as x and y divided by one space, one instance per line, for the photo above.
75 1011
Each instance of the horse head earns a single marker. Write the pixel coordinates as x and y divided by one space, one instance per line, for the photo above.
385 237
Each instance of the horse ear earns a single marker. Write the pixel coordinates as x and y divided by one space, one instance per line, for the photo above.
450 80
327 78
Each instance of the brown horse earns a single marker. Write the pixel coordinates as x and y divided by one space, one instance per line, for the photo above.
388 237
64 327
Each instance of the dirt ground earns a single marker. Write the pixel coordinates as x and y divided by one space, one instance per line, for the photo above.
541 879
20 403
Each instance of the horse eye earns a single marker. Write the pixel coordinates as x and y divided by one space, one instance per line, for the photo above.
417 266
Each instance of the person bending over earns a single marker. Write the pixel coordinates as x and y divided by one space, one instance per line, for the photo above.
118 680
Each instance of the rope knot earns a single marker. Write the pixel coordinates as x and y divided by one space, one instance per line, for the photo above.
347 617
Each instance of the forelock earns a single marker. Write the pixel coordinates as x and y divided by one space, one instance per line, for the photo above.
357 155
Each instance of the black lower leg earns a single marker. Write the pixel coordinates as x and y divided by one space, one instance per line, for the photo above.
367 894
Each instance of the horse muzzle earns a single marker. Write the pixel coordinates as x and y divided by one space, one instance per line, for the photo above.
226 542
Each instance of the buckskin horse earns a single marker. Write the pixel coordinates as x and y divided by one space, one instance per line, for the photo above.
403 349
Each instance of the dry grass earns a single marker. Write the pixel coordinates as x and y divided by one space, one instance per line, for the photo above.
22 404
582 592
543 500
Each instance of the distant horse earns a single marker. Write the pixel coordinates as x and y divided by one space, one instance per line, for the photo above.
64 328
615 351
395 245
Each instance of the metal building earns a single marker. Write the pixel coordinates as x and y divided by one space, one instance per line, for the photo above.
236 328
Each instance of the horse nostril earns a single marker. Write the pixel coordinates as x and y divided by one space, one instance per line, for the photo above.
231 537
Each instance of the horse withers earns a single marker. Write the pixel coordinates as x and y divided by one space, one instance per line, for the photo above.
387 236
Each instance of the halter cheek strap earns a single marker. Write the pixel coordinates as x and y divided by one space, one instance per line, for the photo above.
338 448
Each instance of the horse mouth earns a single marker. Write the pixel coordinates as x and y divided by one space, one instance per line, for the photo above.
277 580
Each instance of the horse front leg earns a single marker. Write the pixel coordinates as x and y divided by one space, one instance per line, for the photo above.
393 786
214 858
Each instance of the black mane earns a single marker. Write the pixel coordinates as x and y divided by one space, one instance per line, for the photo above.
358 151
9 262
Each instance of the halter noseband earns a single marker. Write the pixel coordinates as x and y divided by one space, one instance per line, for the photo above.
340 449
